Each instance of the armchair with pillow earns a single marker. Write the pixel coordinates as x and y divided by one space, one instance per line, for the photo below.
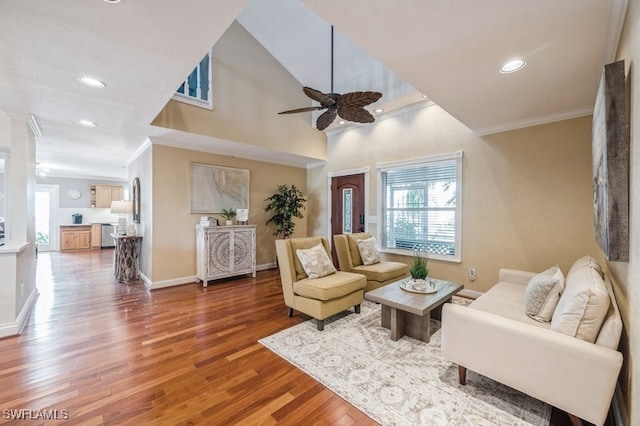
358 253
310 282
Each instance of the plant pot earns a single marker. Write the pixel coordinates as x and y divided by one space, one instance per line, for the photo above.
229 222
422 284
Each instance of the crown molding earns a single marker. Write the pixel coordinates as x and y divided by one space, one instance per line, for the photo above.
535 121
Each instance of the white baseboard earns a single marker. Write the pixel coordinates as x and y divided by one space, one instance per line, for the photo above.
152 285
266 266
16 327
169 283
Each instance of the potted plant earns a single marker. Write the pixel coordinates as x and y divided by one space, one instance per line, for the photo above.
228 214
284 205
418 268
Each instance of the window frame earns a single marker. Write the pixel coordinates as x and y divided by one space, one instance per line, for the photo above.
416 163
191 100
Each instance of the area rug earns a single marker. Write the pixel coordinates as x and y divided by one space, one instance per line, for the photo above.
407 382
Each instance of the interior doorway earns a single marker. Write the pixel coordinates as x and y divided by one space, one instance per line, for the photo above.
46 217
347 206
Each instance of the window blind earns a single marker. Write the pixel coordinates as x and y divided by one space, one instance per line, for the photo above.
419 206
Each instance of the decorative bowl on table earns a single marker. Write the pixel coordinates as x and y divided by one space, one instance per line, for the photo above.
423 286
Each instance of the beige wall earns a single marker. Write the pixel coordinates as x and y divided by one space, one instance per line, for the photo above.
627 275
249 89
173 233
527 199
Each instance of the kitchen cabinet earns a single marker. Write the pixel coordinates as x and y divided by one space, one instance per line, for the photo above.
75 237
96 235
225 251
103 195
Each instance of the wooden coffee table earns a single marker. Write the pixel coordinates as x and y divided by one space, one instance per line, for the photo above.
408 313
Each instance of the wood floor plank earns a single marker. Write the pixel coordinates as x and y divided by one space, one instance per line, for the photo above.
117 353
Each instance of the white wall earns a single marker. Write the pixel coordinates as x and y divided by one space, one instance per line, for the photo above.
17 258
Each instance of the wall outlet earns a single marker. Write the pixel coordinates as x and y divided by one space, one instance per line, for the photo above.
472 274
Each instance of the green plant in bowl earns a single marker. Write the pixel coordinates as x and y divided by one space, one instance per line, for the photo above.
418 268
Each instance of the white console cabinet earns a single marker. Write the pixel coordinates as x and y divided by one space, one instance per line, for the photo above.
225 251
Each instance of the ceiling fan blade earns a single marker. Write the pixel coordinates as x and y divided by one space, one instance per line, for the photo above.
306 109
325 119
358 99
359 115
316 95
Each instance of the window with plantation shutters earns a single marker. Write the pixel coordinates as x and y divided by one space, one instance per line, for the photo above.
196 89
420 206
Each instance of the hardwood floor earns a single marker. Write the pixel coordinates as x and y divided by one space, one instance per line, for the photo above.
102 352
96 351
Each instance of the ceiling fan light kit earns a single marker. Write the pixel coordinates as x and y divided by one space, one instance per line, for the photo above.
349 106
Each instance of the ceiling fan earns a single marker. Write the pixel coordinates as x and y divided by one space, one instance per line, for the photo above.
349 106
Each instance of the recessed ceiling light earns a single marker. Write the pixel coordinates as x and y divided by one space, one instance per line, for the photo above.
424 96
378 110
513 66
342 122
92 82
112 1
87 123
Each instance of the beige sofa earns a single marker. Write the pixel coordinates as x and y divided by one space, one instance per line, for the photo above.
378 274
494 337
321 297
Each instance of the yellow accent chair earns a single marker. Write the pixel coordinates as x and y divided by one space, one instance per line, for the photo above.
321 297
378 274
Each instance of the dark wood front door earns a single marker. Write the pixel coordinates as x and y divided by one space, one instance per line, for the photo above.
347 206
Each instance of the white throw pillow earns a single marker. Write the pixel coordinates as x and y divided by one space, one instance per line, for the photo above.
582 306
368 251
584 262
315 262
543 293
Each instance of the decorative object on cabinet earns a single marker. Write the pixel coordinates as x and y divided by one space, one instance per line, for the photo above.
243 217
225 251
228 214
285 204
122 208
213 187
136 200
125 258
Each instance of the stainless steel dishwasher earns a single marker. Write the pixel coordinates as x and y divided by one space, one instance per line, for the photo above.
107 239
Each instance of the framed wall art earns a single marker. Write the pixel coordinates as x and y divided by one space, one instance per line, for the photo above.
214 188
610 156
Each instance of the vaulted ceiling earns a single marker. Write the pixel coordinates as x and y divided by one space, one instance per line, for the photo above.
449 50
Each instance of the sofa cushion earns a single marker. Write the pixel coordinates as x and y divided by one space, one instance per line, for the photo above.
330 287
585 261
583 304
382 271
543 293
301 244
368 251
315 261
353 246
506 300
